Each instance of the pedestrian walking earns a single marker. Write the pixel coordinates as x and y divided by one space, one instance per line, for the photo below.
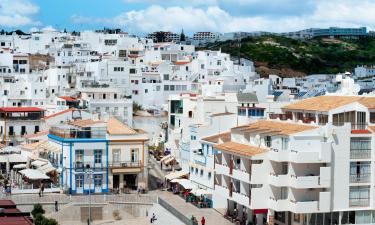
203 221
40 192
56 206
42 189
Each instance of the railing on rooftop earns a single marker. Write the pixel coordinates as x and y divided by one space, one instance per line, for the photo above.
91 132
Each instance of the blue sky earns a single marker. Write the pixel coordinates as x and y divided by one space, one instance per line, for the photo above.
142 16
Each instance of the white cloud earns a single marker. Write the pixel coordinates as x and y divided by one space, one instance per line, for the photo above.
214 18
14 13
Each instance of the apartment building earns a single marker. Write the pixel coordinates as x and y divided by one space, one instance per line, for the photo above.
16 122
310 166
108 155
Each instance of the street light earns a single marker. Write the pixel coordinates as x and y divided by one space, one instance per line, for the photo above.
89 172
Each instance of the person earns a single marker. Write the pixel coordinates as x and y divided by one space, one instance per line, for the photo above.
40 192
153 218
203 220
161 165
42 189
56 206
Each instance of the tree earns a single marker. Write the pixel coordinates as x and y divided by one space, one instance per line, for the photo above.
38 209
182 36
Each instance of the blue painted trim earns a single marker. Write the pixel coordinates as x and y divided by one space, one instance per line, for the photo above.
71 166
77 140
107 165
62 163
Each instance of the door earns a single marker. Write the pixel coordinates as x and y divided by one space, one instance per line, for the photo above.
116 181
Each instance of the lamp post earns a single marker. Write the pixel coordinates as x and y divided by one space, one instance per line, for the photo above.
89 172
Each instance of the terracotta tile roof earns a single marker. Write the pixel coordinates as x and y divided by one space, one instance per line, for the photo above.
58 113
181 62
33 146
241 149
68 98
276 127
224 137
372 128
21 109
85 123
115 126
327 102
38 134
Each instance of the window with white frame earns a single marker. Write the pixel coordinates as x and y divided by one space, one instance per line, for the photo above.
134 155
79 180
116 155
98 178
79 155
284 143
98 155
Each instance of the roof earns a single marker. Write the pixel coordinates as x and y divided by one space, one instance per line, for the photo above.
224 137
372 128
38 134
238 148
116 127
276 127
247 97
59 113
68 98
181 62
329 102
21 109
221 114
18 220
85 123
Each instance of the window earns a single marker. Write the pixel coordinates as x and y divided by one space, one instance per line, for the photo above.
284 193
79 181
166 87
166 76
36 130
116 155
79 155
115 96
23 130
98 180
11 131
201 172
132 71
268 141
209 175
146 90
98 156
134 156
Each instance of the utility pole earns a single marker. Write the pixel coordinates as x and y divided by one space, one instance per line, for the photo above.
89 172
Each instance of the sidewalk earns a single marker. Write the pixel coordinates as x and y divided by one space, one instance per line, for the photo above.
187 209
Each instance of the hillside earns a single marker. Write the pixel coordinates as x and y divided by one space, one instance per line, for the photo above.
289 57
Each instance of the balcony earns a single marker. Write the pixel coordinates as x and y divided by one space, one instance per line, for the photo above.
125 164
221 169
241 199
360 178
279 205
84 166
360 154
222 191
304 206
94 132
241 175
279 180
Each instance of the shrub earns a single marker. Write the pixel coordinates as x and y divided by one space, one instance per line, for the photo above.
38 209
116 215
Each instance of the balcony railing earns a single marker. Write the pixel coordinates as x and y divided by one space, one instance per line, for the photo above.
125 164
359 126
360 154
360 178
97 132
359 202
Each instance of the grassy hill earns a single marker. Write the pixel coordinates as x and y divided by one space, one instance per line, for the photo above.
289 57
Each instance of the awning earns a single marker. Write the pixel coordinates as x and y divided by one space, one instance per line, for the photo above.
199 192
187 184
46 168
39 163
166 158
12 158
176 174
19 166
50 147
34 174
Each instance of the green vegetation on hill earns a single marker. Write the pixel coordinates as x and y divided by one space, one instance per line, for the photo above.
289 57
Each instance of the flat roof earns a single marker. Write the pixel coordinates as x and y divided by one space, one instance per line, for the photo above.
21 109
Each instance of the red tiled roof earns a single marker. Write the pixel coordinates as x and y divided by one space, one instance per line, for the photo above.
58 113
21 109
21 220
181 62
7 203
68 98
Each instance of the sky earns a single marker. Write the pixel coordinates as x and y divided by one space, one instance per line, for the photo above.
144 16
